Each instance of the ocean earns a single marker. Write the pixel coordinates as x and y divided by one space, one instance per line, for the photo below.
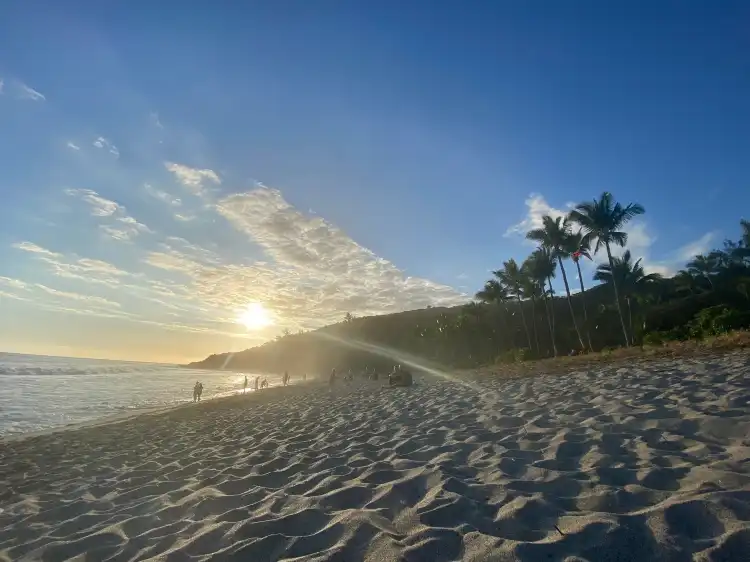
39 393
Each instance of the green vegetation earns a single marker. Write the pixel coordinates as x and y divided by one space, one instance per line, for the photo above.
517 317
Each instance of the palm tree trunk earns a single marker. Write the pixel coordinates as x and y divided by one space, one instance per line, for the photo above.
523 319
570 303
533 318
617 296
550 319
505 330
585 312
630 321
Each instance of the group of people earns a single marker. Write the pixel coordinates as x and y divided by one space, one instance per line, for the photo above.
258 384
397 377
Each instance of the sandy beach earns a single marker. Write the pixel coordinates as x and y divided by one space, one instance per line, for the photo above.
646 461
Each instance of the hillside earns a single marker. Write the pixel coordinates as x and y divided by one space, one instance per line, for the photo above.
519 318
461 336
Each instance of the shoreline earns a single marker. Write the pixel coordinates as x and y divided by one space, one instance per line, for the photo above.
128 415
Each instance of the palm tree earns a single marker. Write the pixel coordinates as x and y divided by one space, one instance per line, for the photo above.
531 290
685 282
630 276
602 220
579 246
703 266
512 278
555 235
540 267
495 293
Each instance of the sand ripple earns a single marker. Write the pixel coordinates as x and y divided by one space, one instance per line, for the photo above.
622 463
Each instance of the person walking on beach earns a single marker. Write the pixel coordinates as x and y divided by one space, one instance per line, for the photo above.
257 382
197 391
304 377
244 388
332 378
286 378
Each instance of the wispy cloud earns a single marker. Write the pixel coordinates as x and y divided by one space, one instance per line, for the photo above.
26 92
194 179
77 296
57 294
700 246
162 195
124 227
105 144
2 86
72 145
537 207
100 206
154 117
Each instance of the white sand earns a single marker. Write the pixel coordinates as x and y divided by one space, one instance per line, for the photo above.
618 464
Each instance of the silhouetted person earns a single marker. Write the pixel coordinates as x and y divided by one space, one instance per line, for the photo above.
332 378
264 384
304 377
286 378
257 382
244 388
195 391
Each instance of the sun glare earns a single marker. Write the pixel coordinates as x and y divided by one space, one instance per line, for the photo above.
254 317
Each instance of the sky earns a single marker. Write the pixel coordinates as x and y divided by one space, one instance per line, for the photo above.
163 170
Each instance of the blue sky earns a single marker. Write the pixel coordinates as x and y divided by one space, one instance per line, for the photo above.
163 168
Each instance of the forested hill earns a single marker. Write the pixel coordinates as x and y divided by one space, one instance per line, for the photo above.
470 335
516 317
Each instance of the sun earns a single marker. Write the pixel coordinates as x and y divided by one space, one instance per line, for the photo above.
254 316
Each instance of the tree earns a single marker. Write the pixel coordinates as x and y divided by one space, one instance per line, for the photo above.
512 278
630 277
349 317
704 266
540 267
495 293
531 289
555 236
602 220
579 246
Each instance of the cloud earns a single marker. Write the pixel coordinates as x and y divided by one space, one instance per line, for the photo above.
537 207
25 92
319 271
35 249
124 226
184 218
700 246
154 117
104 144
193 179
71 144
35 288
100 206
2 86
162 195
78 297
